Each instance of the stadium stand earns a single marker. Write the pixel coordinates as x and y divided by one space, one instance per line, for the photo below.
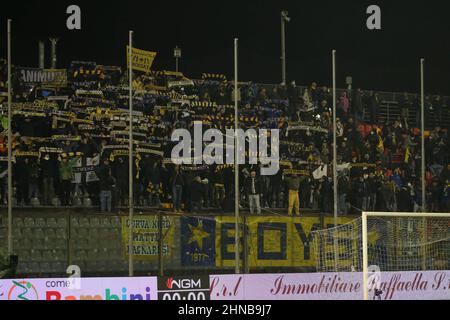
70 144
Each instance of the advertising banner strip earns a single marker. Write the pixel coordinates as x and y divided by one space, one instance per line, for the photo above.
405 285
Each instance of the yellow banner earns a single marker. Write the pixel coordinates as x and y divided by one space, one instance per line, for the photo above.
145 237
272 241
141 60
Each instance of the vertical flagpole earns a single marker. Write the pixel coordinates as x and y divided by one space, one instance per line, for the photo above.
335 177
236 158
130 159
10 242
422 130
335 182
283 51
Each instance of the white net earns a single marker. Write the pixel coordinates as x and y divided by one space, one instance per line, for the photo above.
393 243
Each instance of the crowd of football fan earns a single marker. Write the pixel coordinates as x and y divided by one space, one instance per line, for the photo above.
86 122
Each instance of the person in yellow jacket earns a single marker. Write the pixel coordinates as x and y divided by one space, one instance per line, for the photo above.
292 185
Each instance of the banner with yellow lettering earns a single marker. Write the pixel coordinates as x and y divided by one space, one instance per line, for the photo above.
141 60
278 241
145 237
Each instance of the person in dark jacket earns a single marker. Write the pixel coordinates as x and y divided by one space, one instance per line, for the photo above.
106 185
253 190
405 105
121 174
343 184
276 182
373 184
33 190
361 193
404 199
154 182
87 147
177 182
374 107
49 174
22 173
196 194
326 194
357 105
103 169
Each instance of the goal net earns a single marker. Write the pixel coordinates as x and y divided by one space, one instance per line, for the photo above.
391 241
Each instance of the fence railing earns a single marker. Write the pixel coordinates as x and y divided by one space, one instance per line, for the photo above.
47 243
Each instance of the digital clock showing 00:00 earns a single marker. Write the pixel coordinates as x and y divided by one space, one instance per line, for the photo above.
193 295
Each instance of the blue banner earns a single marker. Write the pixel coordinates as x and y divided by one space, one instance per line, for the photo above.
198 241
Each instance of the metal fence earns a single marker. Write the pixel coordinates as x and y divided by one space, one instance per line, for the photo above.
48 242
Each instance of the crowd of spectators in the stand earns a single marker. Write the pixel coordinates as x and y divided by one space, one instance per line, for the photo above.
70 145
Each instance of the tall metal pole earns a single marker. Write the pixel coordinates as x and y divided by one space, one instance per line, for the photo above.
130 159
335 181
10 242
335 176
176 55
422 130
236 158
41 55
53 41
283 50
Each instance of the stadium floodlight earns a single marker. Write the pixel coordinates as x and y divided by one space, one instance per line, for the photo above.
284 18
284 15
176 55
384 242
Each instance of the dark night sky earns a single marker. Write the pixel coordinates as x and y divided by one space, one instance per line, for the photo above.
382 60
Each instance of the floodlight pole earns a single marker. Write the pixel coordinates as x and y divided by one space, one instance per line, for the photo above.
53 42
236 159
130 158
284 18
335 176
10 189
177 56
422 131
41 55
